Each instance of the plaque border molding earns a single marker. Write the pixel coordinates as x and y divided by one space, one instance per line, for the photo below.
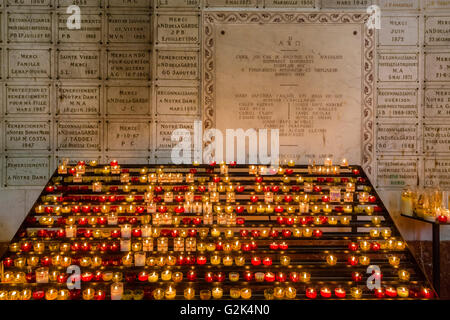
258 17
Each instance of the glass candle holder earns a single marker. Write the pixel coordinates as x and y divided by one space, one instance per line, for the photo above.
116 291
170 293
269 294
246 293
403 275
394 261
305 277
205 294
348 197
364 260
217 293
278 292
158 294
189 293
403 292
290 293
356 292
331 260
235 293
285 260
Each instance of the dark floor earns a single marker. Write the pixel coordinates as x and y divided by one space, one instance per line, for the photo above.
420 249
423 252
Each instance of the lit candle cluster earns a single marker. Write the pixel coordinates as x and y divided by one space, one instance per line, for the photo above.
157 232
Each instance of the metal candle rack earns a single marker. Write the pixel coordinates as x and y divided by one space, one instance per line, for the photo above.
307 254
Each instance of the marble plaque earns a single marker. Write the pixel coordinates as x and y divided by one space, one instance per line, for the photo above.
27 135
398 67
78 100
129 65
437 173
178 29
130 135
346 4
27 171
231 3
392 5
83 135
90 32
29 27
129 3
30 3
25 100
269 71
177 101
123 100
178 3
397 138
397 173
131 28
80 3
437 31
164 132
29 63
437 66
399 31
436 138
76 64
437 4
437 103
177 65
303 4
397 103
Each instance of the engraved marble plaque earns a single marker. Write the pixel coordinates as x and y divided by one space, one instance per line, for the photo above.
398 67
27 135
123 100
27 99
437 31
231 3
78 135
397 173
269 71
130 135
130 3
164 132
346 4
75 64
437 4
399 31
178 29
177 65
399 4
78 100
80 3
397 137
436 138
437 66
437 173
437 103
177 101
290 4
29 63
31 3
397 103
178 3
27 171
131 65
90 32
29 27
131 28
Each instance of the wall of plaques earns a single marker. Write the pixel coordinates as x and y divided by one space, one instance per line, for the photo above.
117 88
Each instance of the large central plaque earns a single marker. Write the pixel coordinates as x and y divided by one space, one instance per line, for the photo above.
289 72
